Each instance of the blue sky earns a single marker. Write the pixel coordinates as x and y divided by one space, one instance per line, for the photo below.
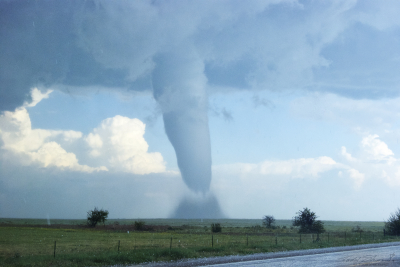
300 100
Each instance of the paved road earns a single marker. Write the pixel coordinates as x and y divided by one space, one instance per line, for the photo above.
386 256
383 254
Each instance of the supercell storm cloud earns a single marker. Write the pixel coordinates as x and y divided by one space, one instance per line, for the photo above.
184 52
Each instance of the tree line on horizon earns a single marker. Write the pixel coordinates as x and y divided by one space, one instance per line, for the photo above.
307 222
305 219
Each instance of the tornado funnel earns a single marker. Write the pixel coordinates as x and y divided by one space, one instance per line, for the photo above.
179 87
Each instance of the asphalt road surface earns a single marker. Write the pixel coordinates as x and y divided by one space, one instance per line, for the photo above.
384 254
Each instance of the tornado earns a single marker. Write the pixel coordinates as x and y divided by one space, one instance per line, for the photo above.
116 45
179 86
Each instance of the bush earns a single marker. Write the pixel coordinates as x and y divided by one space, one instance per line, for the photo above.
357 229
392 226
269 221
139 225
216 227
95 216
307 222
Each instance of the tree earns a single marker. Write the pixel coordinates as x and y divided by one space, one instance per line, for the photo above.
392 226
269 221
307 221
95 216
139 225
216 227
318 227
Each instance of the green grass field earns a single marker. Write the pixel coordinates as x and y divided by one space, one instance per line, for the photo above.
24 243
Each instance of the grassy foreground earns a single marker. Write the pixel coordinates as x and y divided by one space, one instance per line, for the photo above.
31 243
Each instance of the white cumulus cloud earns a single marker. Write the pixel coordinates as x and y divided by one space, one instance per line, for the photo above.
37 146
119 142
37 96
357 177
347 155
293 168
376 149
375 160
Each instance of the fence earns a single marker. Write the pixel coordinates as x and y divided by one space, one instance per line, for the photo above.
289 241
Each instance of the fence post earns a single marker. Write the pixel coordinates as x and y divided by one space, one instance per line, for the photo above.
360 235
212 241
247 242
344 236
54 249
170 244
384 233
276 240
328 237
119 242
300 238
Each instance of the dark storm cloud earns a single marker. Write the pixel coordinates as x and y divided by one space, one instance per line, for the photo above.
35 41
40 47
242 46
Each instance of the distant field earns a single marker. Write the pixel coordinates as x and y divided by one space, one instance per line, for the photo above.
329 225
26 242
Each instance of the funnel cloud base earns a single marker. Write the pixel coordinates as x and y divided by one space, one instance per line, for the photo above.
203 207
